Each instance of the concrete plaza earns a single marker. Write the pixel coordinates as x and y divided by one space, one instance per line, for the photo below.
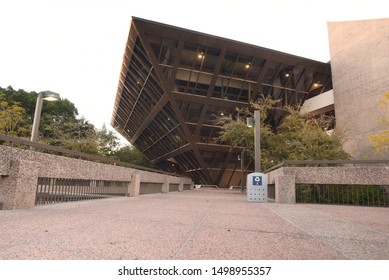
200 224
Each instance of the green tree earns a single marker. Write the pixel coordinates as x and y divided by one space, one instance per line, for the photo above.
380 140
74 134
296 138
53 113
108 142
132 155
301 138
59 126
235 132
12 118
26 100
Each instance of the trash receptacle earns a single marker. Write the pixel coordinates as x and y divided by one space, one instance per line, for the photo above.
256 187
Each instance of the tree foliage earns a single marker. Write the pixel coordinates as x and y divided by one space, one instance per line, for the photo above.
12 118
59 126
301 138
296 138
132 155
235 132
380 140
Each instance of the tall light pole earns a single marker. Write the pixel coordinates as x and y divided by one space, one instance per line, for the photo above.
256 121
46 95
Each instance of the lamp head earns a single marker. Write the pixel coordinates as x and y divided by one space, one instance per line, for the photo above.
50 96
250 122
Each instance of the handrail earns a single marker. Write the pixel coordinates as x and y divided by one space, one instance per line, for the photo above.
327 162
80 155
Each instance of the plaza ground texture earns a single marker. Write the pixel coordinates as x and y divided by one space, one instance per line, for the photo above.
201 224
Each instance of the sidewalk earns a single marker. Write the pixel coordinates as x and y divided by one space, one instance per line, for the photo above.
199 224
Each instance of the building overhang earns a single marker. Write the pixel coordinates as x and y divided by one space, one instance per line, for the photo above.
174 82
319 104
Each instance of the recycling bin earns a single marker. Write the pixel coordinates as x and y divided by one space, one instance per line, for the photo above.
256 187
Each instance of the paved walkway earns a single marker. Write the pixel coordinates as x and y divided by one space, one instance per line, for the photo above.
198 224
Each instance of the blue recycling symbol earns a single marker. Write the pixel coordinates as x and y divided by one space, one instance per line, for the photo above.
257 180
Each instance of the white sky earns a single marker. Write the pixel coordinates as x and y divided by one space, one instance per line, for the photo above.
75 47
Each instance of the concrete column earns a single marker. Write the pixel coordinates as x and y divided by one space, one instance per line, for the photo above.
4 165
18 189
165 185
181 186
285 189
134 185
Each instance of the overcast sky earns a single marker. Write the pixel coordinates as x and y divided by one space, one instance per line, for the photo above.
75 47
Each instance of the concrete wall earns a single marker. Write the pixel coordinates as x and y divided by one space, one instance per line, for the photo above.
20 169
342 175
285 178
360 71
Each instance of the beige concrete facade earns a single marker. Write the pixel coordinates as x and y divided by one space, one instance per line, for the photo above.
319 104
360 70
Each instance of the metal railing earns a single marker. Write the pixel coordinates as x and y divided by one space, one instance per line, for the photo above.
358 195
316 163
351 194
58 190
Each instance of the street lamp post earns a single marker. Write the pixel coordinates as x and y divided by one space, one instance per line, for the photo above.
43 95
242 169
257 139
256 181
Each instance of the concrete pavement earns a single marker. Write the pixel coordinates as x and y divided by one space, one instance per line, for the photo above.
199 224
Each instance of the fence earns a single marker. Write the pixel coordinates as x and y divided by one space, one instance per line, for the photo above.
57 190
358 195
349 182
30 177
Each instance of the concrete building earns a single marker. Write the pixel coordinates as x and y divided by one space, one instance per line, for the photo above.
175 81
360 74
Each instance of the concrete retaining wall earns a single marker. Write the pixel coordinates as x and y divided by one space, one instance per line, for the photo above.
20 169
343 175
285 178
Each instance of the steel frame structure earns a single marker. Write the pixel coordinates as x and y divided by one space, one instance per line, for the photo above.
174 82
